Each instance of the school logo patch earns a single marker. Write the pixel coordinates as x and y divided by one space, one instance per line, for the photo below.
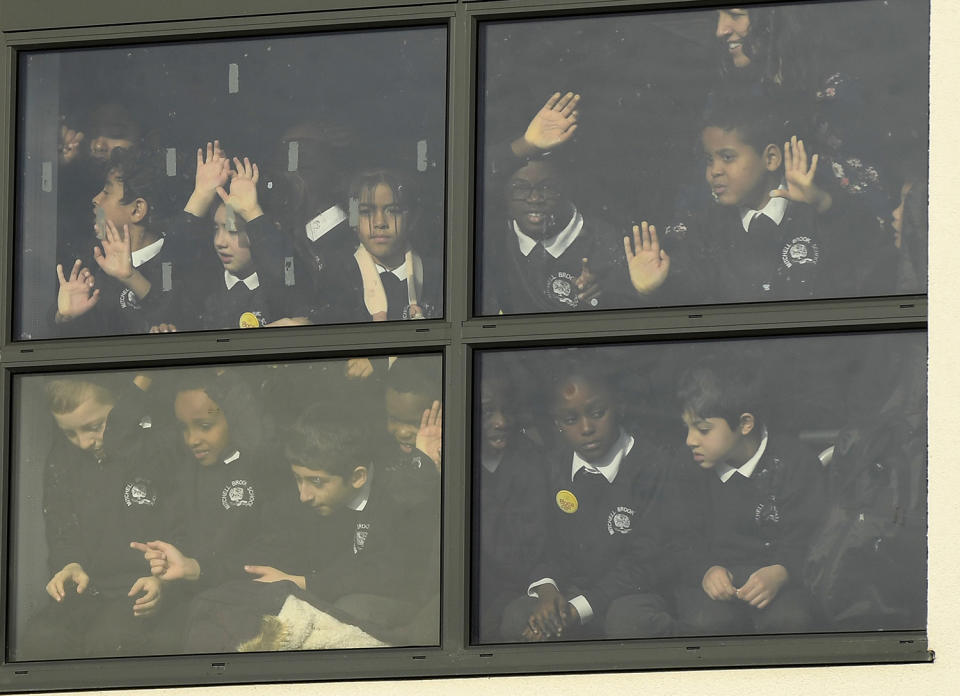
238 494
562 287
360 536
129 299
799 251
620 520
139 492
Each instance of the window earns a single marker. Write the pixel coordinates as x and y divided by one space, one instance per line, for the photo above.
485 168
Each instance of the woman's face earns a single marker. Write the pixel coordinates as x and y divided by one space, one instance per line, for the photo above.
733 26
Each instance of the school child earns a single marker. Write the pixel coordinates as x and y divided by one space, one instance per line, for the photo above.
510 477
602 559
105 481
764 497
414 414
224 486
552 256
131 289
253 281
386 279
775 232
370 555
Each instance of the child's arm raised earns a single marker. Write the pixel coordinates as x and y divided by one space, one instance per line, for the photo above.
801 187
213 171
551 127
647 263
430 434
243 190
116 260
76 295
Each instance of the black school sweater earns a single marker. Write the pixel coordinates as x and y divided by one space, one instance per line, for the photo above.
767 519
537 282
94 509
610 546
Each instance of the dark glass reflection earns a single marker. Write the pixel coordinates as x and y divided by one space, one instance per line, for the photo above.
710 488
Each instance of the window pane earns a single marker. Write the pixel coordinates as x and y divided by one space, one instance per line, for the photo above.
701 488
217 509
328 150
685 120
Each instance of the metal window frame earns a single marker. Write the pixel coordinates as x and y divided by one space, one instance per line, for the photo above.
458 337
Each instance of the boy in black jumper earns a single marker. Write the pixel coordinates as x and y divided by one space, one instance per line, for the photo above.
552 256
356 547
138 266
105 482
764 496
775 233
602 558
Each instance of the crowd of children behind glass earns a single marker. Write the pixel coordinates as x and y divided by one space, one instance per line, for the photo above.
793 206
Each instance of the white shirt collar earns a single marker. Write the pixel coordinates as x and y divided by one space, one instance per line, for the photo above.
233 457
491 462
360 500
726 472
775 209
252 281
609 465
324 222
400 271
141 256
556 244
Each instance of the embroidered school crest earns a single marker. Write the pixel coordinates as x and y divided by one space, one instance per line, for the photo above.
360 536
129 299
799 251
139 492
237 494
561 287
620 520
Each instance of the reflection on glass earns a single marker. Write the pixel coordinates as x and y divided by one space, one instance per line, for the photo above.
699 157
220 509
708 488
217 185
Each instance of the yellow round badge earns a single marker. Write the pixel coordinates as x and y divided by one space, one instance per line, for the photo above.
567 502
248 320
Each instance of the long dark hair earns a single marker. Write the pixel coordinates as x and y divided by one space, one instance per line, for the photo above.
783 47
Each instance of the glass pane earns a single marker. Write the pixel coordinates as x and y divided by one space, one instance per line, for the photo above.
700 488
218 509
595 125
327 150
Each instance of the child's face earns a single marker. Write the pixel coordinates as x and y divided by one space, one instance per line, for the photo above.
587 418
233 247
84 426
404 413
535 200
712 440
381 226
109 201
733 25
204 427
324 492
736 172
496 418
102 146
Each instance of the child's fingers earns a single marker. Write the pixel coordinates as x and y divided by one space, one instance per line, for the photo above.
256 174
75 271
654 242
552 101
124 234
802 154
139 546
637 238
645 236
63 281
82 582
569 104
787 156
222 192
813 164
563 102
436 413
